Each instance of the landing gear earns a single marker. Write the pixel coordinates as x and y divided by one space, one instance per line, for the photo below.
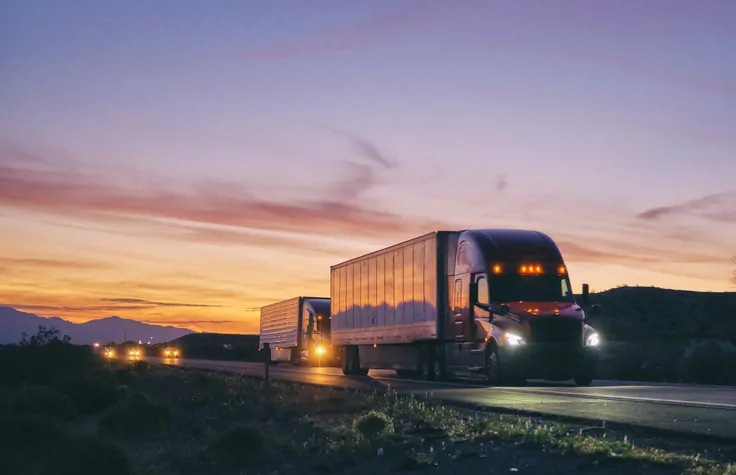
351 362
584 379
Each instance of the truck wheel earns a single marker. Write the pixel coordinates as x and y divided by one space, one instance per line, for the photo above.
493 366
431 363
426 365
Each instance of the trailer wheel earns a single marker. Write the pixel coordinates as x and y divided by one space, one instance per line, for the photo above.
431 363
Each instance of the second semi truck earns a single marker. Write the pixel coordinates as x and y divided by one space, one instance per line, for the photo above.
298 331
486 302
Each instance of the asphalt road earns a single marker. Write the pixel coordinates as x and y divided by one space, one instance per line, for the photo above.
694 410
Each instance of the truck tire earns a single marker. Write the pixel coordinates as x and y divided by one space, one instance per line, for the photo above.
493 366
430 366
496 375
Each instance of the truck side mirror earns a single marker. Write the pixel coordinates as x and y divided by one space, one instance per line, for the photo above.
586 295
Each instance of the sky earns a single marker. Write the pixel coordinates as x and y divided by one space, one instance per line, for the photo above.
186 162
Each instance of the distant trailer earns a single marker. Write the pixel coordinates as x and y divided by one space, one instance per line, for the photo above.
298 331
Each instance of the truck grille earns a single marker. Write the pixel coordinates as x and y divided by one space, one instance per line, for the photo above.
556 330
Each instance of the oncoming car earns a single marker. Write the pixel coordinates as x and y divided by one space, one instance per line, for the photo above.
134 353
171 353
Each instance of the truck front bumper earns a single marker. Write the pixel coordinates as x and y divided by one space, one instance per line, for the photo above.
550 362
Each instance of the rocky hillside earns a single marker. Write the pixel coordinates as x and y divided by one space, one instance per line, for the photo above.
13 323
651 313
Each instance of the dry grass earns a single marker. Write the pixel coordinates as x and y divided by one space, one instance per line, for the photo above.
173 420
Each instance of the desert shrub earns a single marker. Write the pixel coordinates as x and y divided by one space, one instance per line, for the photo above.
136 415
17 431
636 361
44 364
91 456
709 363
373 426
92 394
41 401
241 444
29 443
124 375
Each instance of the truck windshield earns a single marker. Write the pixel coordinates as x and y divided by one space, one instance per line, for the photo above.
530 288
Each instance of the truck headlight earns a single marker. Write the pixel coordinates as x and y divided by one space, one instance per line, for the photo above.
515 340
593 340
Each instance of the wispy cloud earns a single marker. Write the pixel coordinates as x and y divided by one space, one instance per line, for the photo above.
117 304
150 303
16 262
91 197
398 21
365 148
60 309
189 323
719 207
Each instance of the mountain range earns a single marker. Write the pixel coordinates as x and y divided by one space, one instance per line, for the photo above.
13 323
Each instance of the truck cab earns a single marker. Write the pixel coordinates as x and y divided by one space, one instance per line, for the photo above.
514 314
315 345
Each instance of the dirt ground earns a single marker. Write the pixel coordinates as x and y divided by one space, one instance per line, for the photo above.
176 421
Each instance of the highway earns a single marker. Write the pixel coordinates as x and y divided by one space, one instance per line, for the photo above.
686 409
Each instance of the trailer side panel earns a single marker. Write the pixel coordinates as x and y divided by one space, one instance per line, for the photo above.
388 296
280 324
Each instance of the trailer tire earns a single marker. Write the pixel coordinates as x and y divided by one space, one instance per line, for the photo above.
430 365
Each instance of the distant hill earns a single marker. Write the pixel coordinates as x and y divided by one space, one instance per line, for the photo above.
14 322
651 313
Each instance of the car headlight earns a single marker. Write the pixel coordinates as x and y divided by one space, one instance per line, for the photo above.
593 340
515 340
320 350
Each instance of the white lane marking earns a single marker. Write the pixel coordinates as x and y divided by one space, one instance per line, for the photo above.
649 400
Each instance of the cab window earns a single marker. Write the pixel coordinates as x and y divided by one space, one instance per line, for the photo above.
565 288
483 290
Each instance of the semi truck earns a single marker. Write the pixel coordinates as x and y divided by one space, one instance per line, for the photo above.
495 304
298 331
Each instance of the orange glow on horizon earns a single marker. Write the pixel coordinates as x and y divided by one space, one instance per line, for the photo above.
82 274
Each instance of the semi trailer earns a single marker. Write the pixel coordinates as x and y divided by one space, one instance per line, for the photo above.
490 303
298 331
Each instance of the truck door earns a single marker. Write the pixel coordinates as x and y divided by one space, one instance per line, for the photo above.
458 310
461 315
479 324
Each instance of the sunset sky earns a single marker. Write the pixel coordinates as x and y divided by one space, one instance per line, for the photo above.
186 162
